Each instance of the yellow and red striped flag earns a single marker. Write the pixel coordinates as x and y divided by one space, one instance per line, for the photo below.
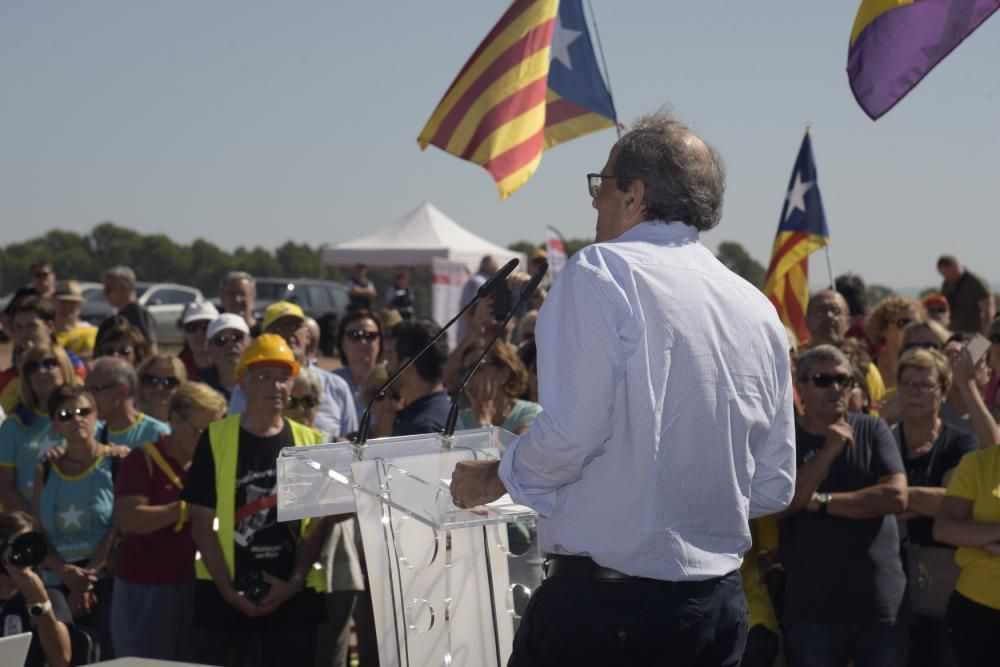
801 232
531 84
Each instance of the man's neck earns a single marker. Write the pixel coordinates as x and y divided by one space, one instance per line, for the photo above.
123 417
413 389
262 423
227 375
814 424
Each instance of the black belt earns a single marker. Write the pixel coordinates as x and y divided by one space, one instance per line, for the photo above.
583 567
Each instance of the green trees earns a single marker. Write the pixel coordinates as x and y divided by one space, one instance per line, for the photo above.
155 257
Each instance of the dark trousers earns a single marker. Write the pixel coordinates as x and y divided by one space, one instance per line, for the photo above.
929 643
761 649
573 621
333 636
973 629
869 645
275 647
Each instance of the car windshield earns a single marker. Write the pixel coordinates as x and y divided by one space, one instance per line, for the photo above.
273 291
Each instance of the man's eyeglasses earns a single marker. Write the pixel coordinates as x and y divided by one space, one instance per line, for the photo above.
66 416
902 322
224 339
923 346
196 326
824 380
594 182
156 381
32 367
103 387
307 402
42 274
117 350
359 335
918 387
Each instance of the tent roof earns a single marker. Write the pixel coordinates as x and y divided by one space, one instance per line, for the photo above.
418 237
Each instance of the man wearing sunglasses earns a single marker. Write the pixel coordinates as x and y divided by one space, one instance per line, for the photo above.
114 383
226 339
844 583
667 424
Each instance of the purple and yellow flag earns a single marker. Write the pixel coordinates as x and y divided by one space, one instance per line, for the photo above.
895 43
533 83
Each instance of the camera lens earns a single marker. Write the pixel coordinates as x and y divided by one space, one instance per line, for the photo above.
28 550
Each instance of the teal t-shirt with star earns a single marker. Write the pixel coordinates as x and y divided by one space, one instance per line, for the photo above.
76 511
142 430
24 437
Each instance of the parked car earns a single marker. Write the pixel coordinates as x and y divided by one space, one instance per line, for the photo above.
164 301
323 300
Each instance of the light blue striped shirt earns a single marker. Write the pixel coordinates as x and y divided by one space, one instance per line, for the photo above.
667 420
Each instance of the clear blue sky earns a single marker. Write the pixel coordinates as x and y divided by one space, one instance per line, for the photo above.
256 122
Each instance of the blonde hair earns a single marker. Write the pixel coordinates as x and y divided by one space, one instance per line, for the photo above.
196 399
940 333
887 310
175 364
38 353
923 358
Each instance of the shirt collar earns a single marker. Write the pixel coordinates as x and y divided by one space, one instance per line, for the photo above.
657 231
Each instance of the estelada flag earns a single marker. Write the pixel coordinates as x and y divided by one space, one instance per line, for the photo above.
895 43
533 83
801 232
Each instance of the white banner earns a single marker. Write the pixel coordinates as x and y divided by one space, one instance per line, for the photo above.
555 247
448 279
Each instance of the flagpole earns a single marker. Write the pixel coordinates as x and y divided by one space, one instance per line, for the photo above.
604 63
826 248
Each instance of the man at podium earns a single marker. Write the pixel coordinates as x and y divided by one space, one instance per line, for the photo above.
667 424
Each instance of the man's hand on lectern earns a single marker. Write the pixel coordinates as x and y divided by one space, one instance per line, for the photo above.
476 483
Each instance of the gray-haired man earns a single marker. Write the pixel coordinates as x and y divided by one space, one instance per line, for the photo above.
839 544
119 289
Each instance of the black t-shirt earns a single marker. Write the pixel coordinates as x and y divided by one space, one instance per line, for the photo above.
140 318
262 543
15 619
929 470
210 376
841 570
427 414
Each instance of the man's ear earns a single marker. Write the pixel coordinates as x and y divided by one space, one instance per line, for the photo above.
635 198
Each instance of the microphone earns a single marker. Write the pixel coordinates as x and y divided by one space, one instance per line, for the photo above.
364 427
519 309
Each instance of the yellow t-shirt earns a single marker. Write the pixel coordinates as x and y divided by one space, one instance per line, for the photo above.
764 532
977 479
80 339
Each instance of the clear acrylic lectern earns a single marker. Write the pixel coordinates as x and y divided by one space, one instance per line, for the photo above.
448 584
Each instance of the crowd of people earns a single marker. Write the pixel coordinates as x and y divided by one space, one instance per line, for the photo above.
888 553
149 473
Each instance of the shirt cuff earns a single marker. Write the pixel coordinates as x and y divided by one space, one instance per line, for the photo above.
542 502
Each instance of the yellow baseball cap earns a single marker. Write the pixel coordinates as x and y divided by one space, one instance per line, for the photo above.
280 309
267 347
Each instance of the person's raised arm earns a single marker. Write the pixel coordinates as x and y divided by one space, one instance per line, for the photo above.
987 311
983 424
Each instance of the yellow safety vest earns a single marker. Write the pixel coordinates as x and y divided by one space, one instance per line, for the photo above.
224 437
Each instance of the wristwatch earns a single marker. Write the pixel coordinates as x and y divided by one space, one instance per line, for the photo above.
39 608
824 502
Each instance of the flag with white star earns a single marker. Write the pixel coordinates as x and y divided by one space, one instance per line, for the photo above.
802 231
532 84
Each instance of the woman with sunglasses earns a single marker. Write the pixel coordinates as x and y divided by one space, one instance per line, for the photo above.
154 574
359 341
303 403
26 434
117 338
73 504
159 378
931 449
885 329
194 325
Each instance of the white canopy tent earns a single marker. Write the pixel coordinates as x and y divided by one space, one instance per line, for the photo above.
421 235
